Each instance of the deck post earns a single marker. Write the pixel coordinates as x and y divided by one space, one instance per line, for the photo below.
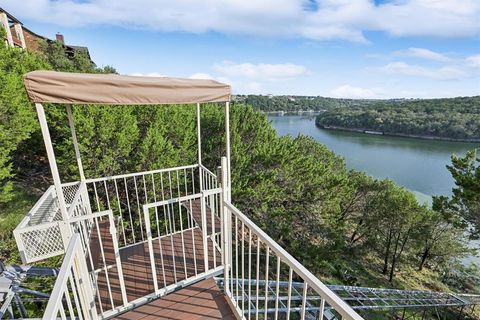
203 209
118 261
199 136
225 228
75 142
51 160
227 147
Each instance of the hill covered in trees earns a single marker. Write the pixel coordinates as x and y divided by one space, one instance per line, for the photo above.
451 119
270 103
343 225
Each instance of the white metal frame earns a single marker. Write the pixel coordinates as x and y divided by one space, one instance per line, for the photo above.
73 273
78 219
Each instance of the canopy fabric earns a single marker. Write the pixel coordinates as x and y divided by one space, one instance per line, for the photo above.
84 88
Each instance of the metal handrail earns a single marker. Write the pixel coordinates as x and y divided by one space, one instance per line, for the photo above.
313 282
73 281
50 192
129 175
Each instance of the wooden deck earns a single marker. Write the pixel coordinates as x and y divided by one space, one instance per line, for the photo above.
202 300
137 271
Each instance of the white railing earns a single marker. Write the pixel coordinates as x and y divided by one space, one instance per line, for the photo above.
38 235
208 178
72 297
184 222
126 194
256 258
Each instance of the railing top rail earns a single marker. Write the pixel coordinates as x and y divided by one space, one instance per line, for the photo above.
76 198
93 215
129 175
330 297
36 207
60 285
207 170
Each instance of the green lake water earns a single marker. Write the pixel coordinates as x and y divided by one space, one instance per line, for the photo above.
418 165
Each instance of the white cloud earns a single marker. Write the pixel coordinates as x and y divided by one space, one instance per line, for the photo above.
351 92
333 19
443 73
473 61
261 70
423 54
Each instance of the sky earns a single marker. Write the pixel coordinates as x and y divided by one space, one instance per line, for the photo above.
335 48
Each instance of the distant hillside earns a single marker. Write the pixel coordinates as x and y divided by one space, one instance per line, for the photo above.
269 103
449 119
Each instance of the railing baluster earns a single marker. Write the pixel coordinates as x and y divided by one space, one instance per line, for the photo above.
138 206
243 268
69 302
171 243
212 236
62 312
277 290
289 294
236 259
96 197
183 240
304 300
322 308
193 240
158 231
267 263
129 210
120 213
78 307
106 194
258 278
249 273
104 262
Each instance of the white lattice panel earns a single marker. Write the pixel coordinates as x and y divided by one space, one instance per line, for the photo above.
40 242
69 192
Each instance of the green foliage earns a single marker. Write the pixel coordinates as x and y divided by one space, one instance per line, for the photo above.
298 103
296 189
455 118
466 193
17 118
57 58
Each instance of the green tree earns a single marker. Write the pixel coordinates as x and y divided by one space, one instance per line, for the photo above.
17 118
466 193
441 234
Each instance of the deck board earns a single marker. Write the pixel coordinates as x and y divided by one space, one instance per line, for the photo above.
196 213
202 300
136 264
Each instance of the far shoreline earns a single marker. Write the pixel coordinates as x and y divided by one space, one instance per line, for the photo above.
393 134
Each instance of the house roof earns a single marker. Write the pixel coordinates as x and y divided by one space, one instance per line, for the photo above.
112 89
9 16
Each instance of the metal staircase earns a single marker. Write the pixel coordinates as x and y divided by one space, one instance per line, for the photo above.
360 299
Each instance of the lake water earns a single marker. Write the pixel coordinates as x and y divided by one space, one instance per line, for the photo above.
418 165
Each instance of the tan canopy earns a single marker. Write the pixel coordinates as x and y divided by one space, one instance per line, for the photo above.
84 88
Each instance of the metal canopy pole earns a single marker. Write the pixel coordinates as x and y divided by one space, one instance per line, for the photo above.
75 142
199 137
51 159
227 142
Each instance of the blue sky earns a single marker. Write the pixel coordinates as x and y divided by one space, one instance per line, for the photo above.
340 48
